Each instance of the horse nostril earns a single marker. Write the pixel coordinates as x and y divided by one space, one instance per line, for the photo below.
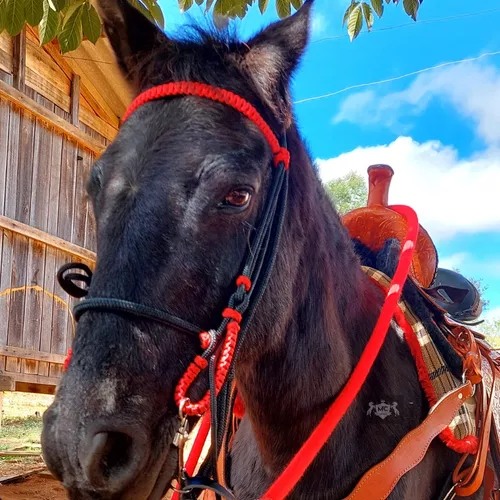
112 460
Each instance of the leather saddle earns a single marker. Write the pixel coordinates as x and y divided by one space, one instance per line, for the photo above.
455 300
374 224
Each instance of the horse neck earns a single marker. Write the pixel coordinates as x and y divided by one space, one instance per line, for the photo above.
312 322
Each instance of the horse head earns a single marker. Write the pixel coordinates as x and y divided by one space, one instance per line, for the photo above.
177 197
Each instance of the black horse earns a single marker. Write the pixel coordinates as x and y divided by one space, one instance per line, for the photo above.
177 197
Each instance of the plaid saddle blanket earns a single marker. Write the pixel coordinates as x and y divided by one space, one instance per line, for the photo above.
434 373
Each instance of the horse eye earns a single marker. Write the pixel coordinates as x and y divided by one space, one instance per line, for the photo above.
237 198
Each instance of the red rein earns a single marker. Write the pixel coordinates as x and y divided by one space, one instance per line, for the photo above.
311 448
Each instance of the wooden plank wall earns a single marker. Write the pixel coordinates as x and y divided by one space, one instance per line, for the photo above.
42 184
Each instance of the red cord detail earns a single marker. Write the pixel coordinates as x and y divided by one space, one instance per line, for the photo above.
310 449
215 94
68 359
223 365
232 314
195 453
245 281
205 340
467 444
282 156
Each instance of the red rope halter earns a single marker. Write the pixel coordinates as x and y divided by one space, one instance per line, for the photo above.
219 95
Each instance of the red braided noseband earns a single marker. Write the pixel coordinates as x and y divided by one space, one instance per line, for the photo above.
219 95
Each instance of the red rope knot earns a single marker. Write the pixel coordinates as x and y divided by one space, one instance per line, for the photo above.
245 281
232 329
223 365
187 379
232 314
205 340
68 359
283 155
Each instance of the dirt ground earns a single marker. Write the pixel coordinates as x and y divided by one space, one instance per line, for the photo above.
22 425
33 488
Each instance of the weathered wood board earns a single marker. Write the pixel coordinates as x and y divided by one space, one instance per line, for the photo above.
51 129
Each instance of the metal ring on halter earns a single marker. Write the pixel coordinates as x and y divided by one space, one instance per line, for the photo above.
465 380
451 493
182 404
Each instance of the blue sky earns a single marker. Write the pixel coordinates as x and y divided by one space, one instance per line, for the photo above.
439 130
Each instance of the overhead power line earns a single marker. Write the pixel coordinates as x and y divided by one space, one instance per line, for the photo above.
395 78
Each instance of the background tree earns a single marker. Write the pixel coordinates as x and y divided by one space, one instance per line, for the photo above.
491 328
71 21
348 192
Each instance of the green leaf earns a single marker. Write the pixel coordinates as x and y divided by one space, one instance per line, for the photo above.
297 4
263 5
91 23
283 8
411 8
158 14
208 5
199 2
221 8
14 16
49 24
58 5
355 23
73 6
378 7
229 9
155 12
367 12
185 5
3 19
140 7
348 12
33 11
71 35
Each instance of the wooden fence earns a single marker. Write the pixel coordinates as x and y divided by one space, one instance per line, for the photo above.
47 147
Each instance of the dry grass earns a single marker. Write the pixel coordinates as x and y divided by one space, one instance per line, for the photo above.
23 404
21 430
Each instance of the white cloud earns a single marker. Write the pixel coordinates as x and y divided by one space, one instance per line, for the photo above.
450 195
472 88
453 261
319 24
491 314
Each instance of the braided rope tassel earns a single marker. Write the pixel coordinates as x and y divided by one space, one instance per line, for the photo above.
199 363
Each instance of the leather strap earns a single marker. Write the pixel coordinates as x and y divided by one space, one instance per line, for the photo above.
221 465
380 480
465 345
469 480
489 484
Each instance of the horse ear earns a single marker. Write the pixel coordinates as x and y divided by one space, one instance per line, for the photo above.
275 53
132 36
